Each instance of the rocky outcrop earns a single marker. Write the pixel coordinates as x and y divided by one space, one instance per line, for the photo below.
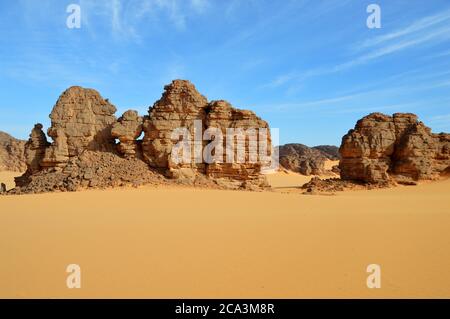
35 149
179 107
240 159
182 106
81 120
12 156
383 149
306 160
127 130
83 152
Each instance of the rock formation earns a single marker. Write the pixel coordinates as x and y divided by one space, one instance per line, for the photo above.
306 160
222 115
383 149
12 156
127 130
179 106
83 152
35 149
81 120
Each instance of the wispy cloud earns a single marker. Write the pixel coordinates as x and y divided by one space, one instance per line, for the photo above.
417 26
127 17
429 30
440 34
281 80
370 98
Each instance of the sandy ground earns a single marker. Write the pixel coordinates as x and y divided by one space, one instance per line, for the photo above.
8 178
191 243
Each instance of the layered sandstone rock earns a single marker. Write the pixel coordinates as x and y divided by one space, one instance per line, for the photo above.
384 148
84 154
183 113
179 106
12 156
127 129
81 120
35 149
243 134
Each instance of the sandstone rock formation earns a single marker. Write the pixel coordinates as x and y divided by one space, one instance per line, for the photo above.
221 115
127 130
81 120
83 152
35 149
181 106
12 156
306 160
383 149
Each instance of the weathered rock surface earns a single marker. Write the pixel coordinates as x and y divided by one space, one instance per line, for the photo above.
221 115
179 106
81 120
12 156
182 106
305 160
127 130
90 169
84 154
330 151
35 149
384 148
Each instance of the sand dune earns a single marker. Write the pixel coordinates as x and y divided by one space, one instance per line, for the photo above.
192 243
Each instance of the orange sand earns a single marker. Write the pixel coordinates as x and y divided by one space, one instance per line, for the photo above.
8 178
191 243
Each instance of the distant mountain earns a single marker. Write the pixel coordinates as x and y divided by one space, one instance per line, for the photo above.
307 160
12 153
331 151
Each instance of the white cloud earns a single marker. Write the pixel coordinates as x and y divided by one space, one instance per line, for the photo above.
127 17
429 30
415 27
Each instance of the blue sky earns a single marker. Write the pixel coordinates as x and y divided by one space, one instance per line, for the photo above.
309 67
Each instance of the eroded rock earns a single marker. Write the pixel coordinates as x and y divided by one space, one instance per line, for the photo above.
35 149
381 148
12 156
84 154
127 129
302 159
81 120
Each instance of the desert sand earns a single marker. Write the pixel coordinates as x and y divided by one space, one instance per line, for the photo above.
8 178
173 242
